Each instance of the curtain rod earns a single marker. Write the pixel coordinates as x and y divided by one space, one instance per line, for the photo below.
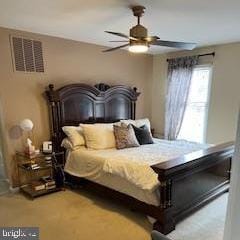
202 55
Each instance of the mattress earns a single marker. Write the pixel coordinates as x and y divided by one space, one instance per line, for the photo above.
128 170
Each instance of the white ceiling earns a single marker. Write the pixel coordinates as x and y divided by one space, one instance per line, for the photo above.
205 22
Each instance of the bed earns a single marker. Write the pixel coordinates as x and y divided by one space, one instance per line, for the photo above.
181 181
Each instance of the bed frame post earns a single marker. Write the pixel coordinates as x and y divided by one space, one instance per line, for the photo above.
54 109
165 192
165 222
134 104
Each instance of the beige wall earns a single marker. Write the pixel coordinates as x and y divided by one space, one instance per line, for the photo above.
66 61
225 90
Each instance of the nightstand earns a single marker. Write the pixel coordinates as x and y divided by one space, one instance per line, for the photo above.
159 136
37 173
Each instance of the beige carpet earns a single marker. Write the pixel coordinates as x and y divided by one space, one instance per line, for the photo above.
81 215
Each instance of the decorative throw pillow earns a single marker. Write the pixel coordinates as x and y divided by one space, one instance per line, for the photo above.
75 135
138 123
143 135
125 136
99 136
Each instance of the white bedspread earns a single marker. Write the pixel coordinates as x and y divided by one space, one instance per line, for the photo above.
132 164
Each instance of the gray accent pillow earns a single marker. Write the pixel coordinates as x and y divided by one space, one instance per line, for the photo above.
143 135
125 136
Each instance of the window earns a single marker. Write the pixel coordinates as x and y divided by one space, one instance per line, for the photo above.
194 123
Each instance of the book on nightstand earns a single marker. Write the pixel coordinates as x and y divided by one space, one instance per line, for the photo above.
38 185
50 187
49 182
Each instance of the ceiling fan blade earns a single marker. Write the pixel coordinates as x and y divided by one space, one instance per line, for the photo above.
152 38
121 35
113 49
182 45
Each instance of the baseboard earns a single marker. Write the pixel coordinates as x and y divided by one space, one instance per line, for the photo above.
14 189
11 188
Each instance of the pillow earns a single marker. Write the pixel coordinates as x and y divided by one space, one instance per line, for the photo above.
125 136
143 135
75 135
66 143
138 123
99 135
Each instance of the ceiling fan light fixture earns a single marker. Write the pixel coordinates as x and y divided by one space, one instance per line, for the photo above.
138 47
138 40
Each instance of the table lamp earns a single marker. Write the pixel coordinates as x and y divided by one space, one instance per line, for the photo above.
27 126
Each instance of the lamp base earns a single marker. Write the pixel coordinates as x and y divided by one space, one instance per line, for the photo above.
30 151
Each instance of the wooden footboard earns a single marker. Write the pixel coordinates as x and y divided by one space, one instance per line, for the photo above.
189 182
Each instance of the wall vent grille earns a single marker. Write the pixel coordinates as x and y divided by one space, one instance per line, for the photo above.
27 54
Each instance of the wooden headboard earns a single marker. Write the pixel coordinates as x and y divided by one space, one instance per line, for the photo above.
81 103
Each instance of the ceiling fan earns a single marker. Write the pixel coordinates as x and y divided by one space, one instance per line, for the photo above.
139 41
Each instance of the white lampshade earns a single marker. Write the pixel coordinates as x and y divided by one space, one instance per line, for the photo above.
26 125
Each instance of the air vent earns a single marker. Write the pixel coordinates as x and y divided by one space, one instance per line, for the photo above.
27 55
